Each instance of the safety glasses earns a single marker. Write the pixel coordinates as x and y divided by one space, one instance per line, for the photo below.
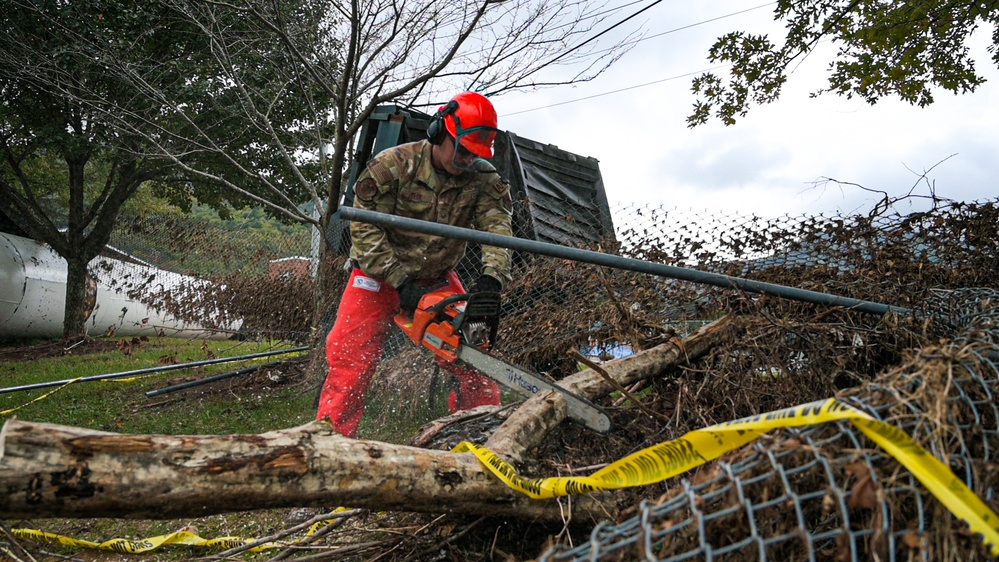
472 143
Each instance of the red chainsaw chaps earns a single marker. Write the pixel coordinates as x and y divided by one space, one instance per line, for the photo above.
355 346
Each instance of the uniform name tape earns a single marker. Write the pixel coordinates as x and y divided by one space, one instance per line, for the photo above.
666 460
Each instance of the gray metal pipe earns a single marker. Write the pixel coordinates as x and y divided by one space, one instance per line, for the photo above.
153 370
206 380
617 262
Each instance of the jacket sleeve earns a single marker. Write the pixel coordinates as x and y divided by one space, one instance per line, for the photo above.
375 191
494 214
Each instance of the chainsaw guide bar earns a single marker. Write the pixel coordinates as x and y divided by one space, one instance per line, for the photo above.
462 327
529 384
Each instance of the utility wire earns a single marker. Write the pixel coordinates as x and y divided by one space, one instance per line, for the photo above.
702 22
635 42
575 48
688 26
677 77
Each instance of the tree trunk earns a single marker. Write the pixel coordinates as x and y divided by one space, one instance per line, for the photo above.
89 229
49 470
79 300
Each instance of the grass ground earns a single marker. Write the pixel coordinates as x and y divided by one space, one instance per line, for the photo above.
272 398
247 404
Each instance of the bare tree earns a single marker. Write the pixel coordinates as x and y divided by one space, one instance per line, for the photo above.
360 55
271 98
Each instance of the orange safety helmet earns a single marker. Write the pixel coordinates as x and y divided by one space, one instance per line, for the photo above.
470 118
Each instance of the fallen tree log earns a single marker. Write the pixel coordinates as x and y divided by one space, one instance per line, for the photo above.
49 470
538 416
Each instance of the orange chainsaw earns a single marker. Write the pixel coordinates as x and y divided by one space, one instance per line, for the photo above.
462 327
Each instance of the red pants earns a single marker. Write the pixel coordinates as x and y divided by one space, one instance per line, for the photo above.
354 348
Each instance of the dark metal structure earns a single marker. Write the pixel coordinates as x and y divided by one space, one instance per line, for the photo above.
158 369
558 196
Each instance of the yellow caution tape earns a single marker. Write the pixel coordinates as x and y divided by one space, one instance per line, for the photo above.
187 536
325 522
42 397
126 546
58 388
665 460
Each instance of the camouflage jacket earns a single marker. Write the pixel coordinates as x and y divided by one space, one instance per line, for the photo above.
402 181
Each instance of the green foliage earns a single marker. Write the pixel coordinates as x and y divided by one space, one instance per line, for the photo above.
102 96
145 82
205 241
902 49
49 139
244 111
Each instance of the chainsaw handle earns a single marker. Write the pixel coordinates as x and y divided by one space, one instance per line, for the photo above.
439 307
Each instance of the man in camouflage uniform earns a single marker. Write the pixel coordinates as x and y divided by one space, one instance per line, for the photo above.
443 179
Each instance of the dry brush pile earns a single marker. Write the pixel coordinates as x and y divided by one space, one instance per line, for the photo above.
822 492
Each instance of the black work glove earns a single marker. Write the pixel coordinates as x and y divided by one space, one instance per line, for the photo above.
487 284
410 294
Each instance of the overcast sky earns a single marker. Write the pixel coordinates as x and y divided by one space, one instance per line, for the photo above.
768 162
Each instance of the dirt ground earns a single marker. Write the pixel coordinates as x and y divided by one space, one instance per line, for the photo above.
14 350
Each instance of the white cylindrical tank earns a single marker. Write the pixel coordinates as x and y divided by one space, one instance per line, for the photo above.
33 295
32 288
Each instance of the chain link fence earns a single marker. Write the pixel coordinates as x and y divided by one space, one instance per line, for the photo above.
826 492
227 277
259 283
817 493
227 274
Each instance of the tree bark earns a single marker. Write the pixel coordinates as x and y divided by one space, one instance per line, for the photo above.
78 306
49 470
535 418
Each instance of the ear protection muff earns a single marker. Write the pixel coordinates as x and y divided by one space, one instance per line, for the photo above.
436 130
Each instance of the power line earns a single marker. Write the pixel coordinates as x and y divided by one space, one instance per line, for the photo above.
588 40
677 77
688 26
616 8
645 39
704 22
604 32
